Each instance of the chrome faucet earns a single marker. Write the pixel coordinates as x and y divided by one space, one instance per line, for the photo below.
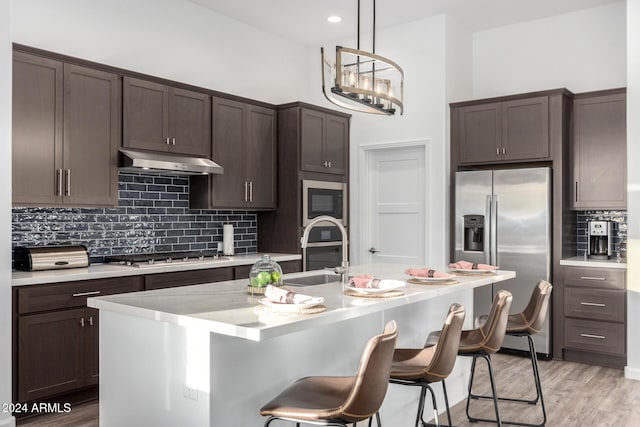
342 270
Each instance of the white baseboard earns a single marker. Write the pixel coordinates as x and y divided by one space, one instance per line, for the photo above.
631 373
8 422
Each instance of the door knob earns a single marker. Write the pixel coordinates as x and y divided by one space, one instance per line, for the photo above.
373 250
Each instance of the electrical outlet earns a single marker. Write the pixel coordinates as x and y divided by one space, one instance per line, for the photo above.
190 392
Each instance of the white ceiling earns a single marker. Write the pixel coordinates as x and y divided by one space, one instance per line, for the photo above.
305 21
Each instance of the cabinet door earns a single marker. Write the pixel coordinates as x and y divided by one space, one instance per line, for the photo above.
525 129
92 112
190 122
145 115
231 189
312 140
37 130
336 147
599 146
261 157
480 133
50 353
91 346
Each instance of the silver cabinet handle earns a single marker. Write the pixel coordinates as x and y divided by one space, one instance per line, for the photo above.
68 182
497 151
84 294
251 191
166 140
246 191
329 164
173 141
82 322
90 320
576 191
59 178
504 150
593 278
600 337
593 304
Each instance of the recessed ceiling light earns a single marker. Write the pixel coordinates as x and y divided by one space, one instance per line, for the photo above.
334 19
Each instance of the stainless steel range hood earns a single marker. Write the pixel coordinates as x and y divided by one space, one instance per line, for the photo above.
168 163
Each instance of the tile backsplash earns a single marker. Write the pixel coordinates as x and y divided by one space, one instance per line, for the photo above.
619 219
153 215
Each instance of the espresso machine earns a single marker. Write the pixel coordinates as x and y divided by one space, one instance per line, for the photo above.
600 239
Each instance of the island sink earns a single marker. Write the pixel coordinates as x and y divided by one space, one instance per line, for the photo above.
316 279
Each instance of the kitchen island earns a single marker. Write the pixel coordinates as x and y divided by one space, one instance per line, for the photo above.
203 356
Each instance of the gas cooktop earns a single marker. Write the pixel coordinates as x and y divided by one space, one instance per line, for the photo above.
144 260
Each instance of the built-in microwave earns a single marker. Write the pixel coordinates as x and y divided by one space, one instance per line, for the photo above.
324 198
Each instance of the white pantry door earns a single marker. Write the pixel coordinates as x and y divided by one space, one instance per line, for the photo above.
396 206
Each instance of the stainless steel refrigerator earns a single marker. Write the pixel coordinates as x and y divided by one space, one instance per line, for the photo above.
503 218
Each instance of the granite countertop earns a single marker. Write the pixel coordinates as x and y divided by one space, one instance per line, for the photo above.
226 308
102 271
579 261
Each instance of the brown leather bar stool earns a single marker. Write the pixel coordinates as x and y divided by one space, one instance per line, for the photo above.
339 401
424 366
485 341
526 324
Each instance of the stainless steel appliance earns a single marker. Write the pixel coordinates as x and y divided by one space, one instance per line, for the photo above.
35 258
503 218
167 163
323 248
324 198
154 259
600 236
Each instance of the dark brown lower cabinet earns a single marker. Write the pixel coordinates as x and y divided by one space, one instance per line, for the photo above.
55 339
595 316
53 349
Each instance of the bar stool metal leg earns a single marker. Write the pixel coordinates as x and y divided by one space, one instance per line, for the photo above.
538 385
487 358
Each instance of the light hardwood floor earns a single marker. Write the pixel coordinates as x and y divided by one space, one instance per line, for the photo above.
576 395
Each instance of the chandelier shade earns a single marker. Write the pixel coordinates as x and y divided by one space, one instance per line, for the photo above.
362 81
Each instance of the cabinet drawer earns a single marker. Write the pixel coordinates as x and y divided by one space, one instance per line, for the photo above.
184 278
595 304
595 277
602 337
72 294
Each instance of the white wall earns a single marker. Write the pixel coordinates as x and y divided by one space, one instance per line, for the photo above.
419 48
6 420
173 39
581 51
633 193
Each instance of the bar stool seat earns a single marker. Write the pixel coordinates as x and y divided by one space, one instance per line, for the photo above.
424 366
339 401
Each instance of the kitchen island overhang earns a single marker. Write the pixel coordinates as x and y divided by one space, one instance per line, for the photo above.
201 355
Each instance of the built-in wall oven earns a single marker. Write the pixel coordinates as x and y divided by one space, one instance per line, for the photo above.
324 198
324 248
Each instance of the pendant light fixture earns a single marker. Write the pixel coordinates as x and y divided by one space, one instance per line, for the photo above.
363 81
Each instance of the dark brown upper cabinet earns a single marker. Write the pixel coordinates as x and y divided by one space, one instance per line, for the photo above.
599 150
508 131
324 142
163 118
244 144
66 133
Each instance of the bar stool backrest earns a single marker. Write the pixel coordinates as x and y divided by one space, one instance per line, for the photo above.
494 328
446 350
535 313
372 378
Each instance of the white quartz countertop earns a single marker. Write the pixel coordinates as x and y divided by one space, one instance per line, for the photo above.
101 271
226 307
588 262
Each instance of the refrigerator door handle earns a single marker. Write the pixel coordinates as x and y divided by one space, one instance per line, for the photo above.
494 230
487 231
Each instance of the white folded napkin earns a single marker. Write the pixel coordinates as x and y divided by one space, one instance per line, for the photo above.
368 281
285 296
